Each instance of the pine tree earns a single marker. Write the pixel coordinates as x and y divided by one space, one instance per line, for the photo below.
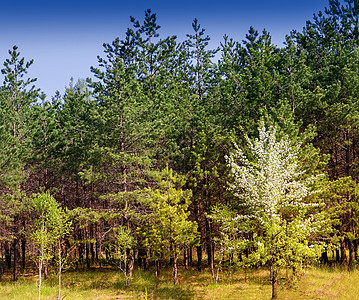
17 95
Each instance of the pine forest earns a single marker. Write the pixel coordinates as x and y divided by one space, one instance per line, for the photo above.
175 156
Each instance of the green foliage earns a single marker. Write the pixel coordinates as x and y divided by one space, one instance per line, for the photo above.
124 241
157 102
167 227
15 100
270 192
51 224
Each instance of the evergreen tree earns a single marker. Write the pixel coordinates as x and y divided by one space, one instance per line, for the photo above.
17 95
328 45
166 229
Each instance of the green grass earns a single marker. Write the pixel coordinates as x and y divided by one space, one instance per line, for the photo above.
317 283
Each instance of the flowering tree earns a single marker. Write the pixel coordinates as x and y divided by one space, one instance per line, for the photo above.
271 189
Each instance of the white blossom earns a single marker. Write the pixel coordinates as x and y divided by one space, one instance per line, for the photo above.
270 179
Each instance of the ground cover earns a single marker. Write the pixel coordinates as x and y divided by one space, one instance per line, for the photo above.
317 283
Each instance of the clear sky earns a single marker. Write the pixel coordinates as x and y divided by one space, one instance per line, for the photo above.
65 37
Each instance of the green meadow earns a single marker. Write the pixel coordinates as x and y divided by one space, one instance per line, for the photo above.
316 283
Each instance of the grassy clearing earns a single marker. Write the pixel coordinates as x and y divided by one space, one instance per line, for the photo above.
109 284
327 284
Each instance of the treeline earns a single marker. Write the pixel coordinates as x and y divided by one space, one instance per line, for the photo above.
139 159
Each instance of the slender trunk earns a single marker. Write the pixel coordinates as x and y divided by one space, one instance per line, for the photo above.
131 262
325 259
40 269
7 248
46 268
175 270
60 270
23 253
199 248
88 265
96 249
15 265
15 248
185 258
146 263
124 270
140 257
210 252
190 256
218 269
343 252
81 247
92 250
355 243
209 245
273 278
156 271
337 255
41 259
274 284
351 253
171 258
217 275
199 257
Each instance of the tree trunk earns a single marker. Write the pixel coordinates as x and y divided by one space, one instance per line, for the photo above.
40 269
81 246
343 252
171 258
157 271
190 255
92 250
146 264
23 254
141 257
324 258
7 249
210 247
41 260
210 251
23 246
355 244
175 270
15 265
274 284
131 263
96 249
337 255
46 269
273 279
88 264
351 253
185 258
60 270
199 257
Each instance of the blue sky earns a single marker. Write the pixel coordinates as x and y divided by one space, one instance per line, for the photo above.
65 37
